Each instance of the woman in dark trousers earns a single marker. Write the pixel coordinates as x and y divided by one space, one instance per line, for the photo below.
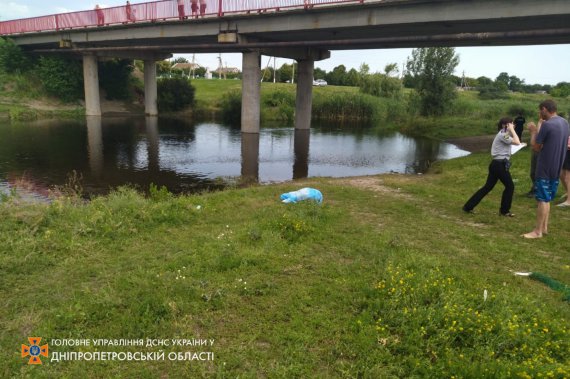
499 168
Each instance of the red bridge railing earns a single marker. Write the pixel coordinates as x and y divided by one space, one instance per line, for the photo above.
156 11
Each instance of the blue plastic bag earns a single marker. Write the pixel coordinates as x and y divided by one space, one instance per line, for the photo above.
302 194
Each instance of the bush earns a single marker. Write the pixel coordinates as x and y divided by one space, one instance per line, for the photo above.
174 94
338 106
231 107
23 114
115 78
283 104
61 77
12 59
381 85
492 93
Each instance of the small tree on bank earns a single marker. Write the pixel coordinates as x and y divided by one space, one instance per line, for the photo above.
174 94
432 69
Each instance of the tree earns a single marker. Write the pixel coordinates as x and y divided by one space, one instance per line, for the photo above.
287 71
180 60
484 81
502 81
319 73
12 59
561 89
364 69
391 69
515 84
352 78
433 68
163 67
337 76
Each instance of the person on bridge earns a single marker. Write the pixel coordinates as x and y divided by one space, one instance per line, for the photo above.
129 11
194 7
499 168
181 13
202 7
100 15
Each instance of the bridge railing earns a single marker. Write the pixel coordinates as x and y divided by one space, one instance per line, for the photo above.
154 12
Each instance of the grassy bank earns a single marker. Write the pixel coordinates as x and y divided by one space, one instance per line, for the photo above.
469 116
386 279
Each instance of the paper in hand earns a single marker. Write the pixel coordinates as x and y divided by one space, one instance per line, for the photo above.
515 148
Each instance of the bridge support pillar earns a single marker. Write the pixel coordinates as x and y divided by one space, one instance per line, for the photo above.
91 84
150 88
304 100
251 92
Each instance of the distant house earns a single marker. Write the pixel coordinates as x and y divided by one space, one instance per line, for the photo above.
185 66
231 70
187 69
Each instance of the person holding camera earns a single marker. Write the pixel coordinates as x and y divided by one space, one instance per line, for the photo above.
499 168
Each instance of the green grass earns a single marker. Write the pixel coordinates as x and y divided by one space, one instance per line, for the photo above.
385 279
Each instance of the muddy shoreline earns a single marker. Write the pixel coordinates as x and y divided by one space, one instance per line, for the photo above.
477 144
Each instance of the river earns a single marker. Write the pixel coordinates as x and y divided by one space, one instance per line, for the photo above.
186 157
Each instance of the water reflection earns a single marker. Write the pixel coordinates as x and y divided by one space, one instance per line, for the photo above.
250 157
152 136
95 145
188 157
301 148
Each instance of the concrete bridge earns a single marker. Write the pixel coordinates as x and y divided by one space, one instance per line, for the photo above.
304 30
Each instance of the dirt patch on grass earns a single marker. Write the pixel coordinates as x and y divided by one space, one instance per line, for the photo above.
370 183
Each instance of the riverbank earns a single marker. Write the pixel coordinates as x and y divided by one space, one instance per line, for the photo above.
387 278
468 117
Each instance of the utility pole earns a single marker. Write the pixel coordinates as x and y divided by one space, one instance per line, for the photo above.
293 74
274 68
193 66
220 66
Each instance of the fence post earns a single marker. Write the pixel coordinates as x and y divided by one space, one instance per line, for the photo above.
220 10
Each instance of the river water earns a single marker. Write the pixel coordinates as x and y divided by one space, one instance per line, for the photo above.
184 156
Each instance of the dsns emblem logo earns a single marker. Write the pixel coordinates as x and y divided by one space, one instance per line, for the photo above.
34 351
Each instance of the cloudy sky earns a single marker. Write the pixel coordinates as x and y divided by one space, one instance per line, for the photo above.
546 64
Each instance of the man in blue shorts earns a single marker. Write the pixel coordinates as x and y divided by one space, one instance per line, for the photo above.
551 143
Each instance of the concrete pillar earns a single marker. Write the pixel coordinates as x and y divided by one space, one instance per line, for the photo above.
304 100
249 158
150 90
152 143
91 84
95 145
251 92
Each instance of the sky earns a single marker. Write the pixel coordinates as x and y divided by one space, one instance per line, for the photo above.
542 64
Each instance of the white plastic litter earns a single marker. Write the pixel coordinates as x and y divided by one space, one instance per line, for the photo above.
523 273
302 194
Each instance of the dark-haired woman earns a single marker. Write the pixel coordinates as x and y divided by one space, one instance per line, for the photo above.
499 168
